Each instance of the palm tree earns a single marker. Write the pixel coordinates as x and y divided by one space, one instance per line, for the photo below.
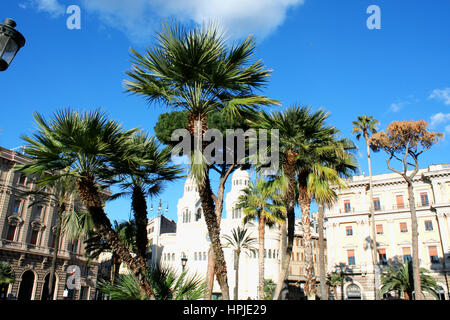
343 162
399 276
240 241
142 179
259 201
287 123
167 284
364 127
336 279
86 146
194 70
316 149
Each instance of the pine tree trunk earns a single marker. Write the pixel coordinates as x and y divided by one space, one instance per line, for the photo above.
322 271
60 212
305 203
139 206
261 232
373 229
415 242
90 195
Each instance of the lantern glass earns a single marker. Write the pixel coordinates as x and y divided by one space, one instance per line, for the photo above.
9 49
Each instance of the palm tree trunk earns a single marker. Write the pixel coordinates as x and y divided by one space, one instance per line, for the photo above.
305 203
139 206
322 271
60 212
261 231
373 230
289 171
415 241
236 268
90 195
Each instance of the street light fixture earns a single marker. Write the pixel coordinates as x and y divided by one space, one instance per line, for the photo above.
184 260
11 41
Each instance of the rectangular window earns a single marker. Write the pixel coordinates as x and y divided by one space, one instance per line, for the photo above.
11 233
74 246
347 206
407 254
424 199
349 231
403 227
16 206
298 256
84 291
195 256
351 257
376 204
33 237
382 256
399 200
22 179
379 228
433 254
38 213
429 225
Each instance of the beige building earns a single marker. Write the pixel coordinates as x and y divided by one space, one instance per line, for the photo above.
27 240
348 228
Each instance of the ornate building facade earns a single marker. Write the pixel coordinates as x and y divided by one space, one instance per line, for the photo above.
28 240
348 228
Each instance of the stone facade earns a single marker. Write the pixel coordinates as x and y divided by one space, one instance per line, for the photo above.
348 227
27 232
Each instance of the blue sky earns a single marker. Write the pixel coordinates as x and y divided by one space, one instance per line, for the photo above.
321 52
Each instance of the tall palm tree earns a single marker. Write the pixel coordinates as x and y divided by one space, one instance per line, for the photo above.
364 127
259 201
287 123
342 160
241 241
399 276
317 147
194 70
86 146
144 179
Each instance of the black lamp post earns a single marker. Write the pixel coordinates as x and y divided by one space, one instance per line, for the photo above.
11 41
184 260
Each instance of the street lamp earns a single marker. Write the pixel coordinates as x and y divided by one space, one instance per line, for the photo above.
184 260
11 41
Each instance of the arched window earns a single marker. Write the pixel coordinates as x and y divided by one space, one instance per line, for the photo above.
353 292
270 253
186 216
236 213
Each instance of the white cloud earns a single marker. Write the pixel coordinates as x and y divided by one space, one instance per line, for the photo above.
53 7
396 107
439 118
139 18
441 94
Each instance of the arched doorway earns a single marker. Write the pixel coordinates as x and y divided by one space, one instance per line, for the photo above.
26 286
44 295
353 292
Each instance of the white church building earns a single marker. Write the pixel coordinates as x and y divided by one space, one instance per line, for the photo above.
171 241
